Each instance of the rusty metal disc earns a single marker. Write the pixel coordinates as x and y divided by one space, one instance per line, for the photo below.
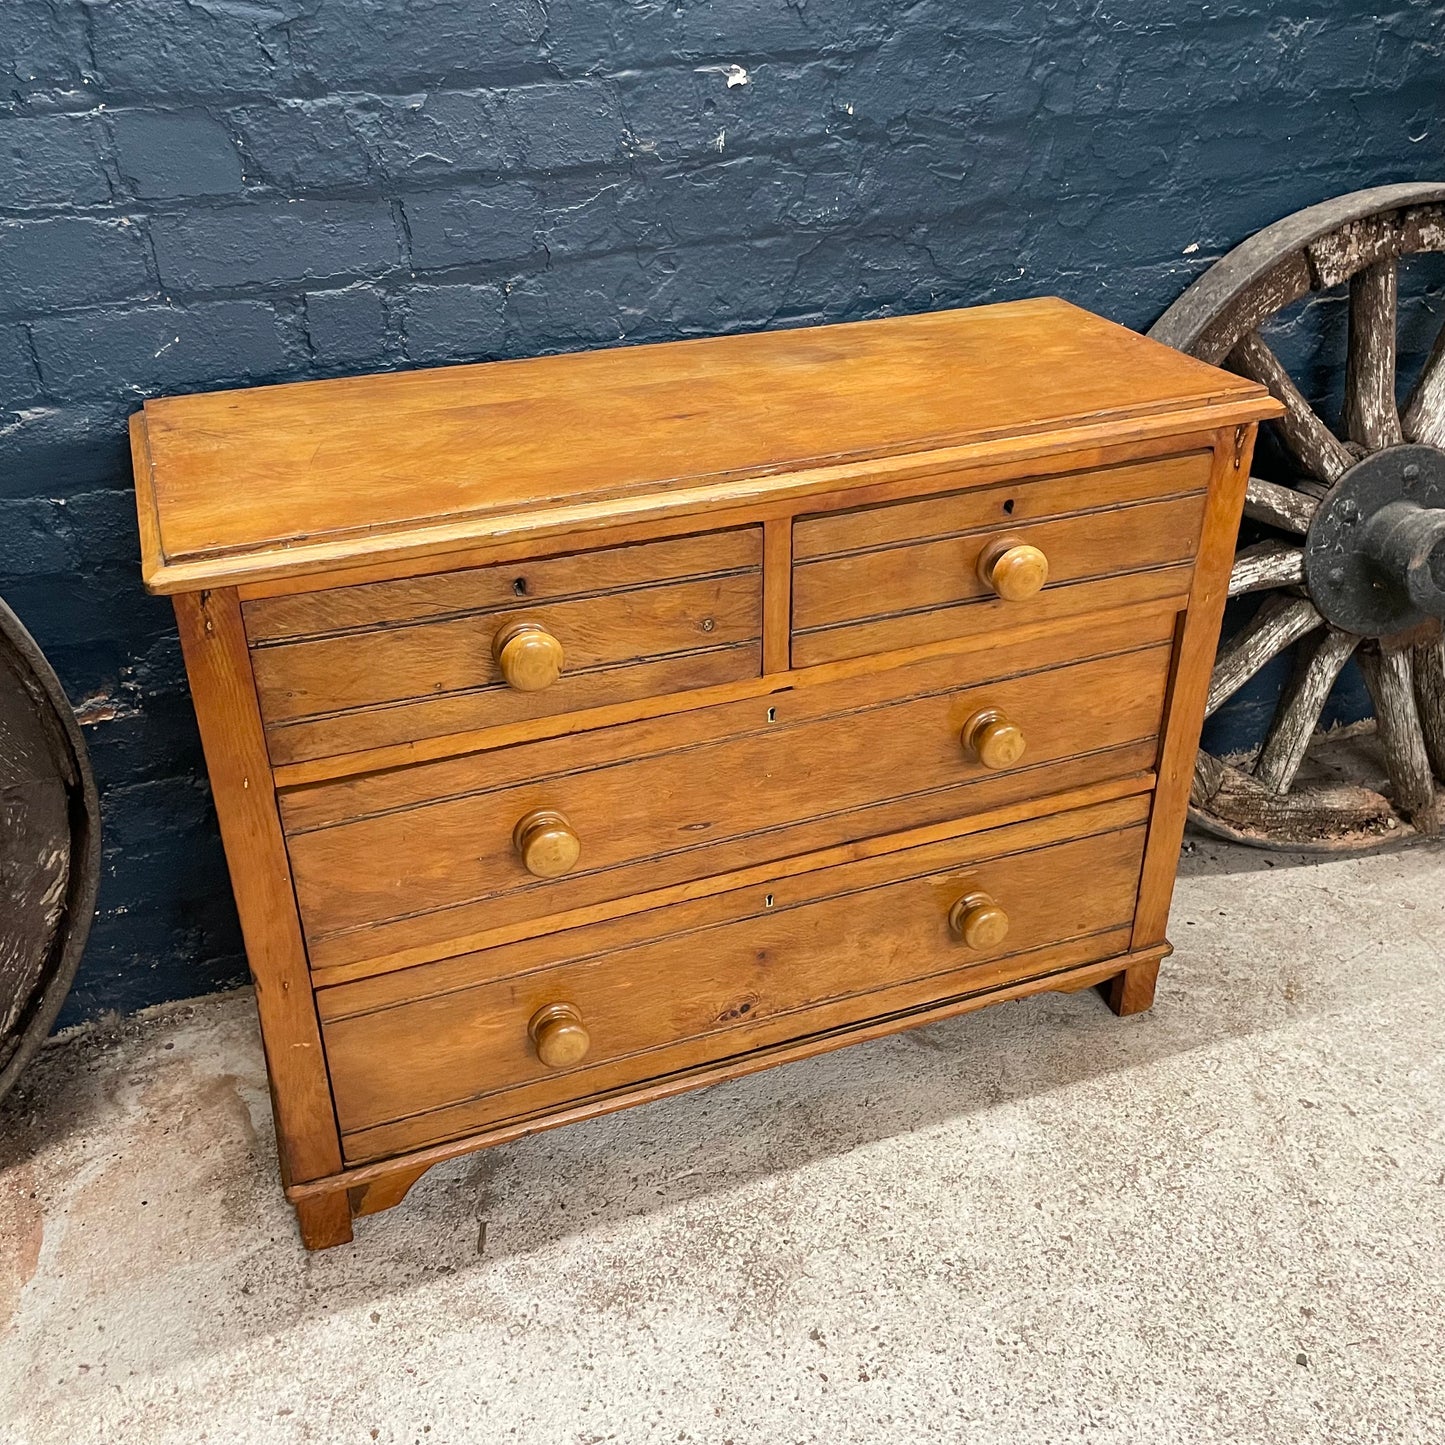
49 847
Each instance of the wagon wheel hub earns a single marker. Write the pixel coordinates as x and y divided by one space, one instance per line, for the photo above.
1374 556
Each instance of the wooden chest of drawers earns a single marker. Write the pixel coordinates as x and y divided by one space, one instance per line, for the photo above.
591 728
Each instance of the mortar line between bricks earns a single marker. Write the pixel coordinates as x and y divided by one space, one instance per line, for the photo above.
259 195
467 82
399 278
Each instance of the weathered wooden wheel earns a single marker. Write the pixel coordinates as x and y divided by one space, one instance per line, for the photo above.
49 847
1351 543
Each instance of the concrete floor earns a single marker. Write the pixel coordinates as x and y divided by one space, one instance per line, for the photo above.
1224 1221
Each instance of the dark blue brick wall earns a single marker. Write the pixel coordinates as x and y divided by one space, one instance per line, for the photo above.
195 195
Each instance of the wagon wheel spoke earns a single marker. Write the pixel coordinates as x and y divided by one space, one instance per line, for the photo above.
1429 666
1372 416
1313 445
1388 675
1281 620
1270 563
1318 665
1425 411
1281 507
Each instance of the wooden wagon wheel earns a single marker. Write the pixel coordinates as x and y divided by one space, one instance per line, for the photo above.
1353 558
49 847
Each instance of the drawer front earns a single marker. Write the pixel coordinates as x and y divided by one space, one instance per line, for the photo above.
425 857
389 662
431 1053
909 572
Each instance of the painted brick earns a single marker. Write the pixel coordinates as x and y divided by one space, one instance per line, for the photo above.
443 133
175 153
348 327
49 160
687 291
173 47
58 450
102 524
583 34
920 70
454 323
747 196
383 41
108 612
301 241
32 539
720 109
158 348
300 143
41 45
19 380
473 225
561 126
606 212
854 277
174 939
69 261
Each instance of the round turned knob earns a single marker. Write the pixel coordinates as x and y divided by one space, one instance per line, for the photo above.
1015 570
559 1035
993 739
978 921
546 844
529 656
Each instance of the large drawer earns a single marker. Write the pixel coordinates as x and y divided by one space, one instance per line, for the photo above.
905 573
351 668
425 858
439 1051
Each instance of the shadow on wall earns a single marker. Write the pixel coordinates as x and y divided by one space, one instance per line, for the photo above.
204 196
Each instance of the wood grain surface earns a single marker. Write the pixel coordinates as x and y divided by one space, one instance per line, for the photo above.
754 965
213 641
278 479
712 616
700 793
943 571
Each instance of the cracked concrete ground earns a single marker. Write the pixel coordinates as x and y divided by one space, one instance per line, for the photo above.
1223 1221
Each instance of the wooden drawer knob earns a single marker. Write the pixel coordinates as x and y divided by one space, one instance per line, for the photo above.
1014 569
978 921
559 1035
529 656
546 844
993 739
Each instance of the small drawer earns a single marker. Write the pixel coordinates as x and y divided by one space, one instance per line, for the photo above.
380 663
961 563
440 856
436 1052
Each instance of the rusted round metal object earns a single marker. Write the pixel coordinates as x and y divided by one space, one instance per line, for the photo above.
49 847
1347 545
1375 550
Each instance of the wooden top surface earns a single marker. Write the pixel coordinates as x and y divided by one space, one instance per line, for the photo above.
242 485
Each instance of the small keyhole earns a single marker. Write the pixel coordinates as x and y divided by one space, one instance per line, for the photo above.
772 714
1008 506
767 900
520 587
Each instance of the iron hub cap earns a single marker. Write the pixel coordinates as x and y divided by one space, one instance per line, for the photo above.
1374 557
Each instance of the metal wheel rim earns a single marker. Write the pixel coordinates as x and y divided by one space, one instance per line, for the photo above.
57 972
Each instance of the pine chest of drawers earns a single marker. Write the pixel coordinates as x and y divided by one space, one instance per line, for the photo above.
589 728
